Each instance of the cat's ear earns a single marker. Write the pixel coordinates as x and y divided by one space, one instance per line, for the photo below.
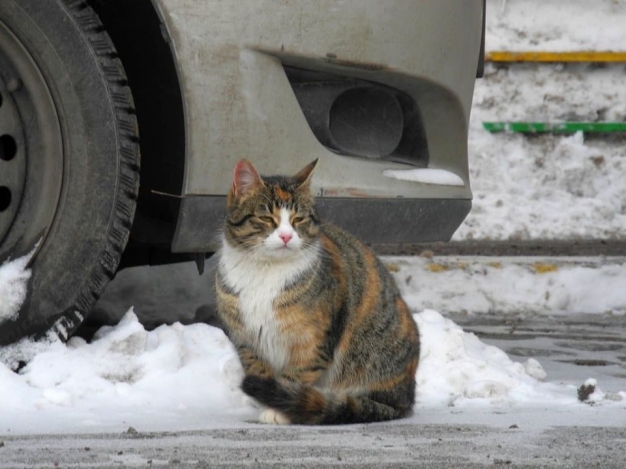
303 178
245 178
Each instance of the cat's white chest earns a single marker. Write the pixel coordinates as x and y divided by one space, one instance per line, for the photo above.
257 286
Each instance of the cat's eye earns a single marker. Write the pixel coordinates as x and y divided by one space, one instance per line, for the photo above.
297 220
267 219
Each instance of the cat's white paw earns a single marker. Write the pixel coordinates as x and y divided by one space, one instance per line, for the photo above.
273 417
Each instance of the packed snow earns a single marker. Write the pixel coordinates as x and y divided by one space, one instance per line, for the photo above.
426 176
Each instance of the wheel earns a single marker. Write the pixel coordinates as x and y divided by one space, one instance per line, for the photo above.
69 159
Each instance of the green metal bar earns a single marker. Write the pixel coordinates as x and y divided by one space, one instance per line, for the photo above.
555 127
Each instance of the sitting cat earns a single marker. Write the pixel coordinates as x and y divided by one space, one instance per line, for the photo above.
317 320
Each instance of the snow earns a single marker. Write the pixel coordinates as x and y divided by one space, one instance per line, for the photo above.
457 369
425 176
172 377
548 187
523 285
543 187
187 377
13 287
555 25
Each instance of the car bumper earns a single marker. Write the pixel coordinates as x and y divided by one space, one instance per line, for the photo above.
376 221
239 102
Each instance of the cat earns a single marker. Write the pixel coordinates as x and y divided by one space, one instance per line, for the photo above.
319 325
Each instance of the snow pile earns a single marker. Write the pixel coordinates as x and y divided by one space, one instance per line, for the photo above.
512 285
457 368
555 25
187 377
174 376
13 287
546 187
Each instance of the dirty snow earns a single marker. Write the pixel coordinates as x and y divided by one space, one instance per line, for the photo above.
555 25
549 186
515 285
13 286
187 377
545 188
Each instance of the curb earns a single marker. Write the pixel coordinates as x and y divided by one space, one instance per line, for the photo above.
535 248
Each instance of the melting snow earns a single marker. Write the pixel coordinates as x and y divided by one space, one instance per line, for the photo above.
458 369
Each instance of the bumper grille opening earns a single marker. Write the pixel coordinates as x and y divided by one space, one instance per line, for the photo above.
355 117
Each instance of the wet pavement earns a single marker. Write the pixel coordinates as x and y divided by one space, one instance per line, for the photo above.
570 348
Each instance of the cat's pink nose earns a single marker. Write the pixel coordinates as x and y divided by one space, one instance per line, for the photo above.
286 237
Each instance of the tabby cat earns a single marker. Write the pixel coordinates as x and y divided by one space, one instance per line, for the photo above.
317 320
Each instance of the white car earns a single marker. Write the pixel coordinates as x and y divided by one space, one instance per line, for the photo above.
121 122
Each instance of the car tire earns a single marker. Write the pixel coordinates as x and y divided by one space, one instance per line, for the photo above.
69 170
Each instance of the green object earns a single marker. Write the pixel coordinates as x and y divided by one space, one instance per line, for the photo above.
555 127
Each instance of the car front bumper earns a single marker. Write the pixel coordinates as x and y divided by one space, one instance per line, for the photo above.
239 103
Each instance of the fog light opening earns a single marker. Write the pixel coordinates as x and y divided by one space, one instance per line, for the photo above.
366 122
355 117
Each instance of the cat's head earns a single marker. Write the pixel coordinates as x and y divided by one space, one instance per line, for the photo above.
271 217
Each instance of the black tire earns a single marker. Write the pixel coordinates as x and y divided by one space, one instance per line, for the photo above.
87 181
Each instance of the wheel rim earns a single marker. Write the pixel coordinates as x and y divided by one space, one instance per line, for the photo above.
31 150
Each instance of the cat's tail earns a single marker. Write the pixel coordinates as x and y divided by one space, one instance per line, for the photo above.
306 405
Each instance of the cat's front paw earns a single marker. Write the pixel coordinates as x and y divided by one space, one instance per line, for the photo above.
273 417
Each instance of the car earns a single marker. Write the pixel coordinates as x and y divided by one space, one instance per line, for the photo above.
121 122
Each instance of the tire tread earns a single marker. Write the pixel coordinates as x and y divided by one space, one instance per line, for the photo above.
128 153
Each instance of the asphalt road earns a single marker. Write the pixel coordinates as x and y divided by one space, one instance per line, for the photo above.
373 446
